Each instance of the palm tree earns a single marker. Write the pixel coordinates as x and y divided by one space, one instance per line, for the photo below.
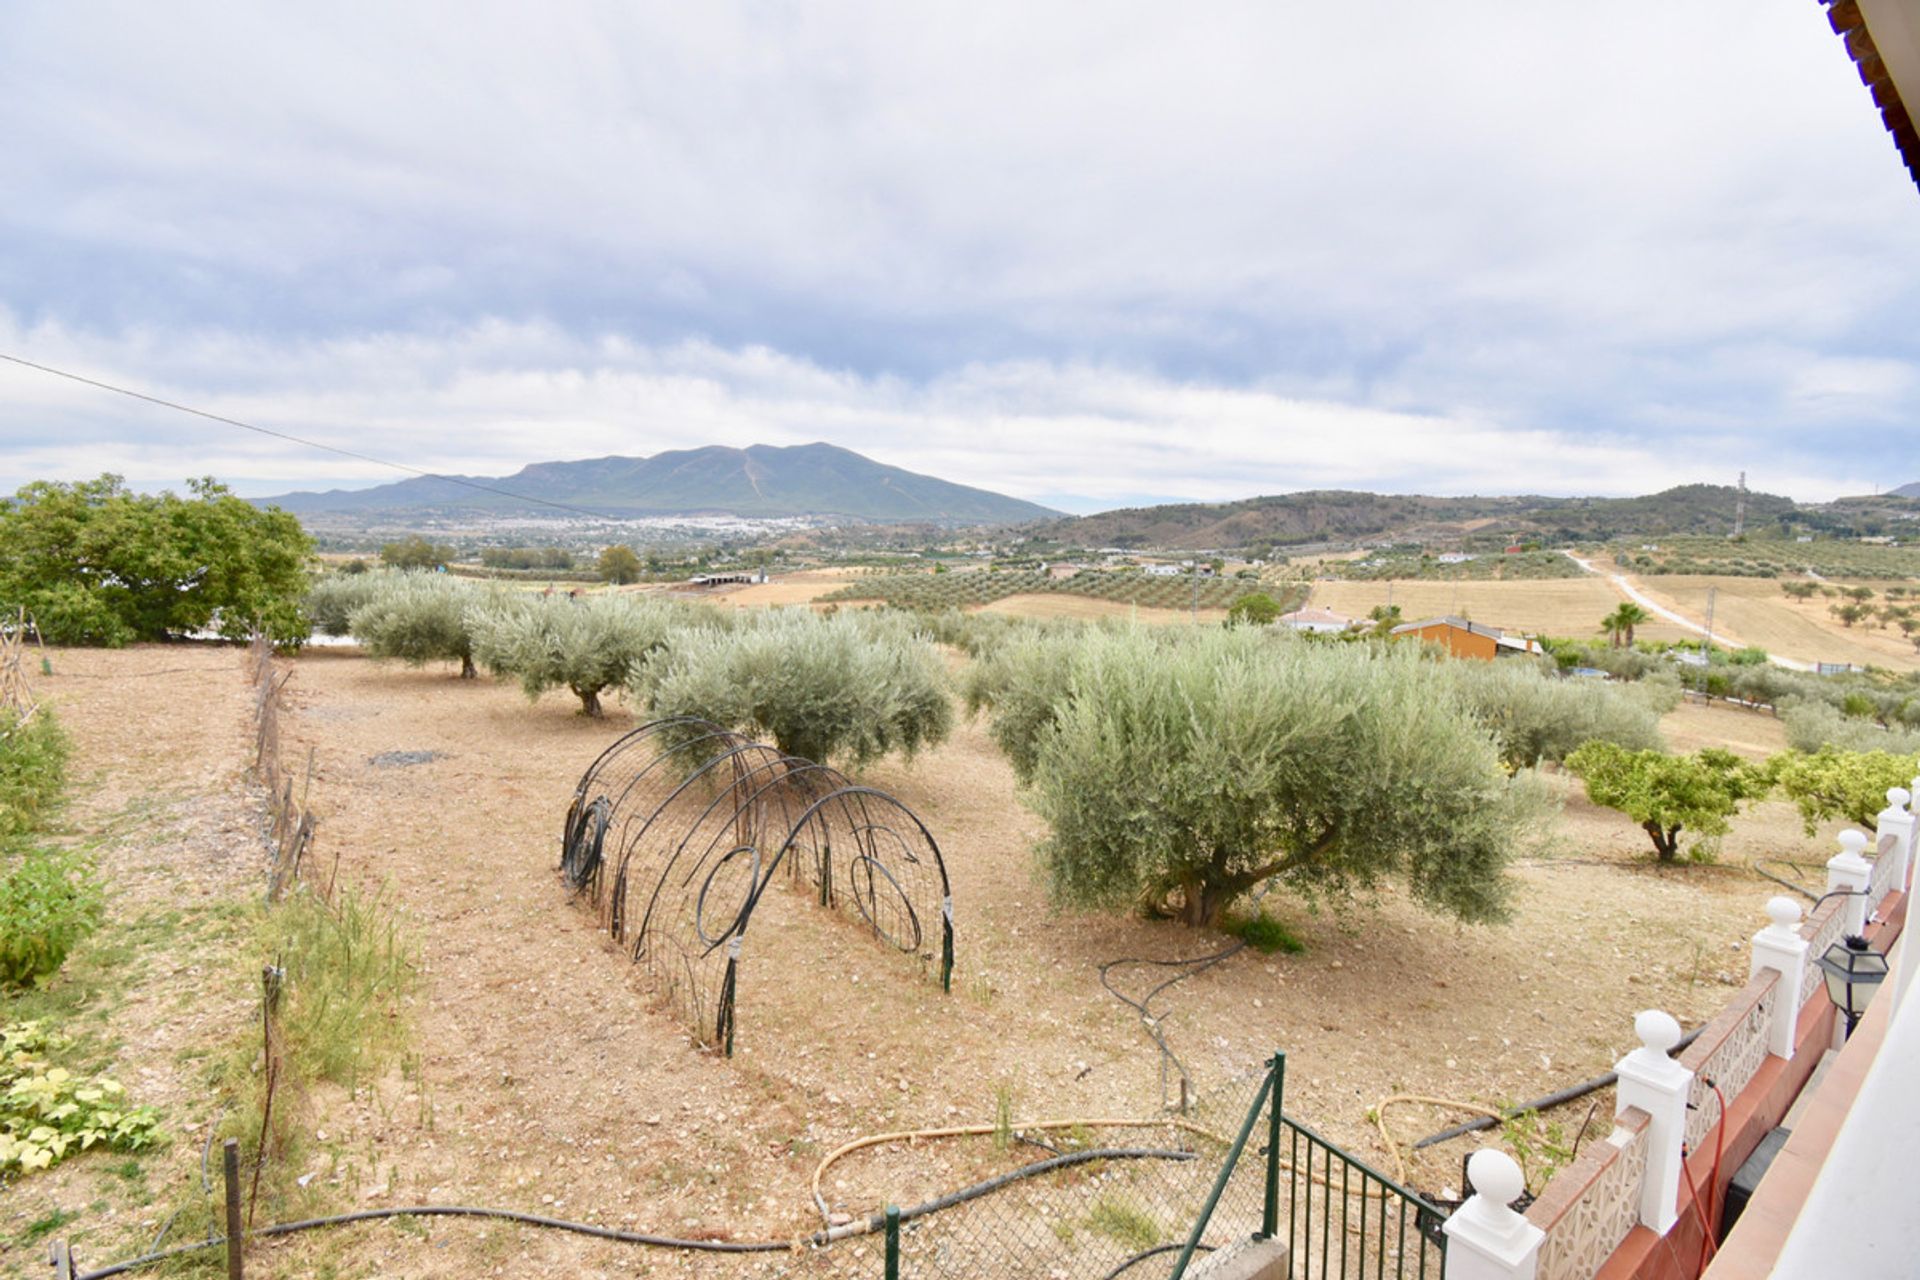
1620 623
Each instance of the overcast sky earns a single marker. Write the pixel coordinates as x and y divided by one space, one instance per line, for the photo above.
1085 254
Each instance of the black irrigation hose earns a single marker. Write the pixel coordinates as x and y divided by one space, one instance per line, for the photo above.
1144 1006
1554 1099
874 1222
1759 867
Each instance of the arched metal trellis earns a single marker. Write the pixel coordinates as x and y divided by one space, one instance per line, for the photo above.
679 828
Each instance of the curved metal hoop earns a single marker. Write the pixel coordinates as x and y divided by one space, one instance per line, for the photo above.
677 829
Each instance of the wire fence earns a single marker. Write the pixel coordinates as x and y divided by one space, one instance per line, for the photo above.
1155 1202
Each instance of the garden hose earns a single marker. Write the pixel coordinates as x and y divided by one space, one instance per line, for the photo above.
981 1130
871 1223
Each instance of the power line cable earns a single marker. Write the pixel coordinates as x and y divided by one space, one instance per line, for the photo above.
311 444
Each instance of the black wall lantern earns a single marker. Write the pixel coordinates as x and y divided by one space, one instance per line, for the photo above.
1853 972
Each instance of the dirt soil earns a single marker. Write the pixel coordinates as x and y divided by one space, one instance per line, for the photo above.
552 1084
1083 608
1569 607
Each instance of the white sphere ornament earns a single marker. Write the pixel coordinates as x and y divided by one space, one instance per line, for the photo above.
1495 1175
1657 1030
1853 842
1783 911
1897 797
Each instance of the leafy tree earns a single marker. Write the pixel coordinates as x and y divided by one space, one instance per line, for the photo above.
98 564
1619 624
415 553
418 617
1178 772
845 689
1669 794
1256 608
587 646
1832 783
1851 612
1799 590
619 565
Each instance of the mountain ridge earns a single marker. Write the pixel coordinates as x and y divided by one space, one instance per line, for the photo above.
759 481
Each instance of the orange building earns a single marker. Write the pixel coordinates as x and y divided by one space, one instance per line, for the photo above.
1464 639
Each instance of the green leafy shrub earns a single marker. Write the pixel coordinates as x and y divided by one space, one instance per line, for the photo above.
1265 934
49 901
1669 794
95 563
47 1112
33 773
1256 608
845 689
349 969
587 646
1832 783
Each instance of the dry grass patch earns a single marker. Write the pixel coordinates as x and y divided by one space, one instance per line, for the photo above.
1754 611
1569 607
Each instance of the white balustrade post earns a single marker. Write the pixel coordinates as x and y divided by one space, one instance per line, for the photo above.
1780 947
1659 1086
1486 1239
1848 871
1895 820
1913 811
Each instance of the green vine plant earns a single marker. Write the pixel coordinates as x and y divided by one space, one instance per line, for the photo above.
47 1112
1542 1147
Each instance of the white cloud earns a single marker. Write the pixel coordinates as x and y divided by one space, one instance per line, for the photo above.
1472 245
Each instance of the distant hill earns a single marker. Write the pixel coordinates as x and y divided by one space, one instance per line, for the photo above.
1342 516
1907 490
761 481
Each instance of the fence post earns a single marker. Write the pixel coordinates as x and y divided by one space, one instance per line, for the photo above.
893 1242
230 1168
1896 820
1661 1087
1486 1239
1780 947
1849 872
1270 1212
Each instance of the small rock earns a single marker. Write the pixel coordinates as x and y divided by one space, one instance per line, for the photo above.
839 1219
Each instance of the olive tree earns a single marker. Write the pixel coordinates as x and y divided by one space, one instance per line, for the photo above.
332 599
417 617
1535 717
586 645
1669 794
846 689
1178 772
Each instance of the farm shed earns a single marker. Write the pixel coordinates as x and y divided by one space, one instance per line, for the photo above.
1464 639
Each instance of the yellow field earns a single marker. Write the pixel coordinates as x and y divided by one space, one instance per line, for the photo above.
1085 608
1570 607
789 588
1754 611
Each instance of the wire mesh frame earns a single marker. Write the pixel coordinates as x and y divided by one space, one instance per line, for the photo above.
677 829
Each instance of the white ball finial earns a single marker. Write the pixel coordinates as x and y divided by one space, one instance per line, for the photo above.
1784 912
1496 1176
1657 1030
1897 797
1853 842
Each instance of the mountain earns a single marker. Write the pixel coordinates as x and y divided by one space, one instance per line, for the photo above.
1907 490
760 481
1342 516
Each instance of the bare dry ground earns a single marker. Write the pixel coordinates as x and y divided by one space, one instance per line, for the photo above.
1754 611
550 1083
1569 607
